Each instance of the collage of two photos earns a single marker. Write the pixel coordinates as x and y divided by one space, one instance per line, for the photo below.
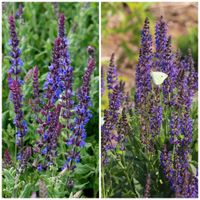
87 120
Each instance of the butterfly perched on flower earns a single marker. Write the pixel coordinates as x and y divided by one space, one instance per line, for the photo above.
158 77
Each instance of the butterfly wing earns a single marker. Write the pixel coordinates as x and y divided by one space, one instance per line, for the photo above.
158 77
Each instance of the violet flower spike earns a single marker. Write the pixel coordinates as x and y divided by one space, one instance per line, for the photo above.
111 115
143 79
175 128
65 73
167 165
19 122
47 146
61 26
123 129
169 66
36 93
50 127
112 77
160 38
19 12
83 115
109 139
7 158
53 81
15 62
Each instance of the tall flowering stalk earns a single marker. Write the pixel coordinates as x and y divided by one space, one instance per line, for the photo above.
143 79
36 93
160 41
65 74
143 86
111 115
53 81
171 69
82 116
15 62
18 121
112 77
115 127
162 52
50 126
14 83
123 129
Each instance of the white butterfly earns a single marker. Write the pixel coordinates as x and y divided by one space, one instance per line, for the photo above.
158 77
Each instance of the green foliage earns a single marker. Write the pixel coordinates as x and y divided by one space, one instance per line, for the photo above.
190 41
37 30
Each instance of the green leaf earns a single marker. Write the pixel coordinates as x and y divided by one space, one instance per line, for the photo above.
81 186
193 169
26 193
138 187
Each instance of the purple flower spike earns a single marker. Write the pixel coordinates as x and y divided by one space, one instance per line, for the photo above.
25 156
109 139
15 83
61 26
7 158
175 126
167 164
123 129
36 94
15 60
65 73
50 130
49 126
19 121
143 79
58 88
160 37
55 80
19 12
83 115
156 118
169 66
112 77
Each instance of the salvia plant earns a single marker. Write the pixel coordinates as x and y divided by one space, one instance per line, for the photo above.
60 116
148 142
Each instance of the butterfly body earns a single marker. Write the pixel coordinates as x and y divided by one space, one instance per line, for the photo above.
158 77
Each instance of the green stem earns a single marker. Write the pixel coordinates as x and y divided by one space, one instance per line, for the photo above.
103 183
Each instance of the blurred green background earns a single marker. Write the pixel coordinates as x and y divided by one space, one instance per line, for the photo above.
37 30
122 24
